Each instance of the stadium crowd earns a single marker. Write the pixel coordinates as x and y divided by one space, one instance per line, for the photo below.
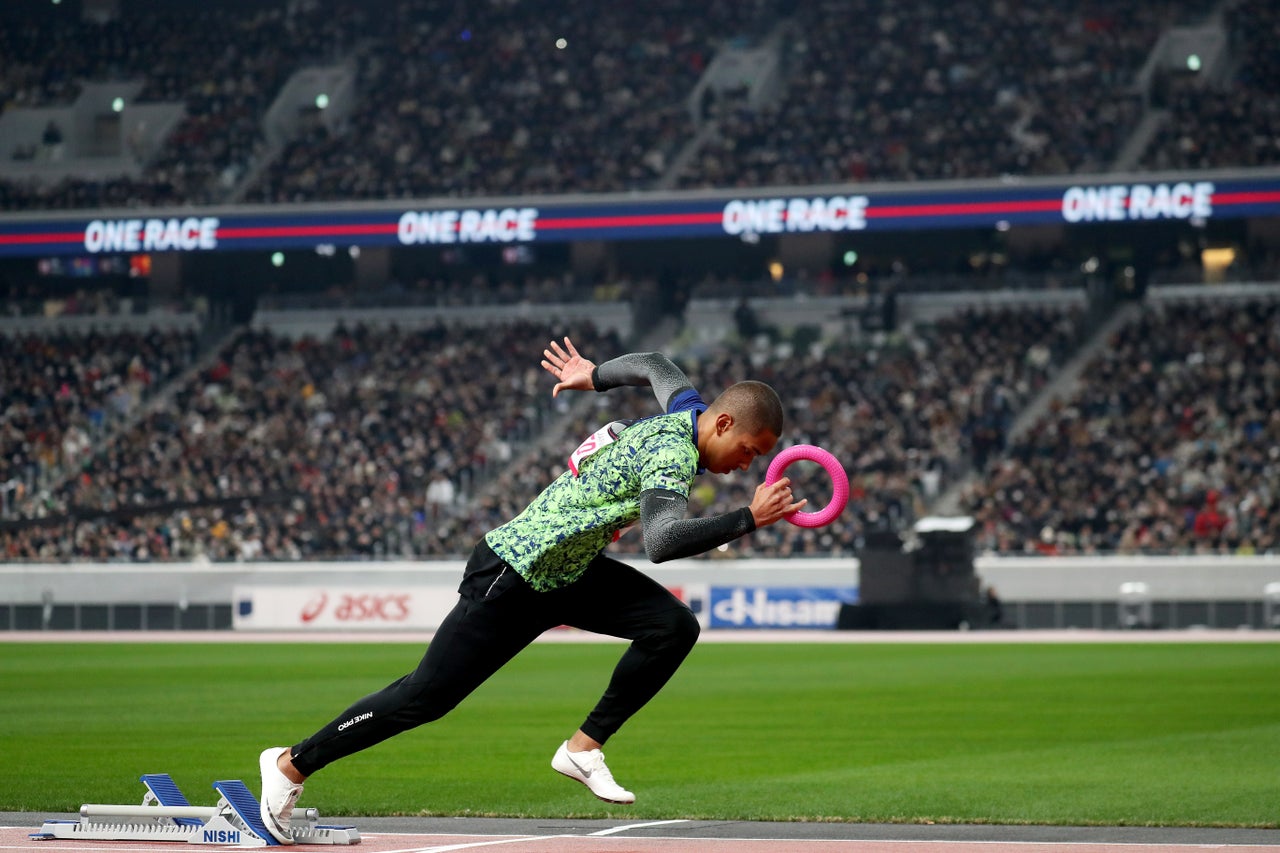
63 392
941 90
538 98
904 419
398 443
366 443
1235 123
524 98
1171 445
286 448
225 64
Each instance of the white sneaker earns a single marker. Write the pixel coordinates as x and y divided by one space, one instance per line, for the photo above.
589 769
278 795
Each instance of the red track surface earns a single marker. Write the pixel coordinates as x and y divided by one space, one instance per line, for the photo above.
616 840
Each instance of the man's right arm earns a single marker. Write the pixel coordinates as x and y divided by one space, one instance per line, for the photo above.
646 368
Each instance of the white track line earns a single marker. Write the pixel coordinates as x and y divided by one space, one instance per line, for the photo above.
970 842
632 826
477 844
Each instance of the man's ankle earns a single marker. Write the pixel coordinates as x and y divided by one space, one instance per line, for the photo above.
285 763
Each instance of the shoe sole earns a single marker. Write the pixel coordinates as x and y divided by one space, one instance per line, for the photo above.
593 793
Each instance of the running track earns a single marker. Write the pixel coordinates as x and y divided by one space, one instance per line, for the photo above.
486 835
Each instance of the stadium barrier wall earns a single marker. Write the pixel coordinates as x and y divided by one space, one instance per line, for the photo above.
1044 592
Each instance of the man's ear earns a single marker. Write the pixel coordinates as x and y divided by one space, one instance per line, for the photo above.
724 423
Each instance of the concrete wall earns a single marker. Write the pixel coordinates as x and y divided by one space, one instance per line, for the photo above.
1064 579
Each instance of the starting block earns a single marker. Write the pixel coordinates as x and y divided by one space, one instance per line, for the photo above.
166 815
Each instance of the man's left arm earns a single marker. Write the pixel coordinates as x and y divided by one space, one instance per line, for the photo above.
668 535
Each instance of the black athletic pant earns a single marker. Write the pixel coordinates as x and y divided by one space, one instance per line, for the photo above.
496 616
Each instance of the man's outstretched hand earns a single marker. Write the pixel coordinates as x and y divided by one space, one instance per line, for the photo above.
567 365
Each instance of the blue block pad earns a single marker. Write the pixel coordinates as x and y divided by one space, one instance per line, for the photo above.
245 805
167 793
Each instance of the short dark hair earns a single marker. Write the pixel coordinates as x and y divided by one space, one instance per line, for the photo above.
753 405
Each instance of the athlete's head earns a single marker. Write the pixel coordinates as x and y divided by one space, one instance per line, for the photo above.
742 423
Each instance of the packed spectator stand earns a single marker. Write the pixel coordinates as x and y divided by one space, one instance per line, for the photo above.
283 448
941 91
411 442
399 443
530 98
1234 122
63 393
552 98
1170 447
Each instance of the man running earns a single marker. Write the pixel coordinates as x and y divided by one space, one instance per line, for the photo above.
547 567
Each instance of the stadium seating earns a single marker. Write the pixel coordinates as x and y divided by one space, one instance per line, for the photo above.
905 418
453 101
941 90
286 448
1169 447
1235 123
63 392
303 448
383 443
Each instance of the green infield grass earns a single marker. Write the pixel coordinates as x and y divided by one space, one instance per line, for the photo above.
1124 734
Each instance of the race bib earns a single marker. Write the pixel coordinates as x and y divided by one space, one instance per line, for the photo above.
602 437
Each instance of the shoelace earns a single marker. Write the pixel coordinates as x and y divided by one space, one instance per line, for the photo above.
595 764
286 811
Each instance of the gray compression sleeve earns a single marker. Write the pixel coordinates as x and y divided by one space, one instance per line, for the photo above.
642 368
668 534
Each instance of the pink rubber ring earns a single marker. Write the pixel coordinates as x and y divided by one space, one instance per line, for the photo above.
839 483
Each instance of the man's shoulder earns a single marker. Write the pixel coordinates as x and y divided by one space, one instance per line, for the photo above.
666 440
675 427
688 400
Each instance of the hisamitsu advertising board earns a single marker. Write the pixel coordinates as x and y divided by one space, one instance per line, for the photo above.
778 606
548 219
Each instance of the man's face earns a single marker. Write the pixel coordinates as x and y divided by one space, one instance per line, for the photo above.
732 448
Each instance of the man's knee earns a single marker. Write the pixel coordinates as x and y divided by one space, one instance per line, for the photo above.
680 628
